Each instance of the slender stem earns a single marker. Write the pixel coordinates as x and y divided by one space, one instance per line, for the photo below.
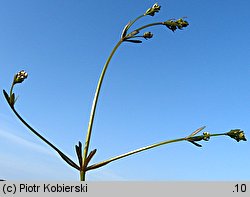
94 166
143 27
131 35
82 175
12 85
11 89
149 25
135 21
64 157
217 134
95 100
93 109
103 163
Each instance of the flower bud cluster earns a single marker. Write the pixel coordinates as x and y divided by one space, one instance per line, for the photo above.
20 76
175 24
237 134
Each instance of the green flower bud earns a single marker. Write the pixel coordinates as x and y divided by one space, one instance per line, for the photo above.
20 76
170 24
237 134
151 11
181 23
147 35
206 136
174 24
195 139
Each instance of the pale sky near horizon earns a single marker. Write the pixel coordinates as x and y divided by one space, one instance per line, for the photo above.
163 88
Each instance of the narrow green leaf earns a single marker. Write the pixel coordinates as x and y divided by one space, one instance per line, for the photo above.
90 156
196 131
6 95
124 31
79 153
134 41
196 144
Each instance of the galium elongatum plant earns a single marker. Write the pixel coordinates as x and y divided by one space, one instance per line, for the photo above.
83 154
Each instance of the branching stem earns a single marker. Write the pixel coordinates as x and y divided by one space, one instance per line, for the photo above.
93 109
64 157
103 163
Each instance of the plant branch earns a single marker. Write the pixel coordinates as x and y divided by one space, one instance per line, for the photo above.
131 35
188 138
135 21
149 25
94 166
94 104
63 156
95 100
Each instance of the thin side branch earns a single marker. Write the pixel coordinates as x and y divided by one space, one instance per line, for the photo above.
63 156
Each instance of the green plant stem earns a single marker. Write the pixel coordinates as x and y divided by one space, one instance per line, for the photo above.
82 175
143 27
103 163
97 92
135 21
217 134
94 166
64 157
93 109
149 25
12 86
11 89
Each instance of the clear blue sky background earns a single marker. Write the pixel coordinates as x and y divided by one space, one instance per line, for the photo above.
164 88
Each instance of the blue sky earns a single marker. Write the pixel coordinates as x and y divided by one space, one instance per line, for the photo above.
164 88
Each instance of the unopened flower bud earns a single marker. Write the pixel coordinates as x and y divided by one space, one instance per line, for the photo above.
151 11
170 24
181 23
147 35
237 134
174 24
20 76
206 136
